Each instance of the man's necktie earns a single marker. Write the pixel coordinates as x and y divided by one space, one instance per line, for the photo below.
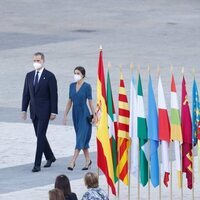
36 81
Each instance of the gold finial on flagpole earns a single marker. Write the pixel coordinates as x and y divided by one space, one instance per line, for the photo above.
171 68
138 69
158 69
193 71
100 48
131 67
109 64
148 67
120 69
183 70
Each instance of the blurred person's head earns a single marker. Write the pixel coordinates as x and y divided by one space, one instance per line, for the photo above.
79 73
91 180
38 60
62 183
56 194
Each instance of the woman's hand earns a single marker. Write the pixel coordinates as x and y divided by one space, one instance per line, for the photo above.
68 106
94 119
65 120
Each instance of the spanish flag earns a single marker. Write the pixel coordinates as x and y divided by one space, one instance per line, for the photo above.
104 154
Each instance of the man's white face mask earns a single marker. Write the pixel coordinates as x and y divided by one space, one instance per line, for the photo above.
37 65
77 77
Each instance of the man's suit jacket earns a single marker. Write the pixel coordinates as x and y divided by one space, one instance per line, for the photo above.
44 100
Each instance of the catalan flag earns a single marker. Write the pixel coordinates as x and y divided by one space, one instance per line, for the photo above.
163 131
104 154
123 133
186 124
112 125
142 135
176 132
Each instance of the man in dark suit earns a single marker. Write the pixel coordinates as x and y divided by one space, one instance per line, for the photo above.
40 92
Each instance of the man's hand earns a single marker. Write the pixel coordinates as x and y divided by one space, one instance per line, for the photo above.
24 115
52 116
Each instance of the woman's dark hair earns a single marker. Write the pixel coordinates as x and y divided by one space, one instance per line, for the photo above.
81 69
62 183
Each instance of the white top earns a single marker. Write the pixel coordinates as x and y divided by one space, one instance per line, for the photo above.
39 74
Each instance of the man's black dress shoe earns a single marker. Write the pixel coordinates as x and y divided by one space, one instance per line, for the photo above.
49 162
36 169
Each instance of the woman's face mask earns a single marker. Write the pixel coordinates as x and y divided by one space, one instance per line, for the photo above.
77 77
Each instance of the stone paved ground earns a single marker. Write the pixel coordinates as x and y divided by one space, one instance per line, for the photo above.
17 180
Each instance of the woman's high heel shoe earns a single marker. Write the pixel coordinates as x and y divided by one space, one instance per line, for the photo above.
70 167
87 166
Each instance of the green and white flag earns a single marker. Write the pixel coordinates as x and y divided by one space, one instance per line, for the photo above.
133 129
112 126
142 135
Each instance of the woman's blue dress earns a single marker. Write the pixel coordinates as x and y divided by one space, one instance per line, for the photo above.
80 113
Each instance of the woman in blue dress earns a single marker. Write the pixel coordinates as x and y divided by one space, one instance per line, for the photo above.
79 93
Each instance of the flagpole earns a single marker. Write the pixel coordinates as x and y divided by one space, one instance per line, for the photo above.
138 157
149 187
182 159
100 49
138 172
181 176
118 183
193 156
129 152
108 191
118 188
118 154
160 186
109 65
171 171
192 172
129 175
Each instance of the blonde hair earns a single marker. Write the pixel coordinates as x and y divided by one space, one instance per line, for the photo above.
56 194
91 180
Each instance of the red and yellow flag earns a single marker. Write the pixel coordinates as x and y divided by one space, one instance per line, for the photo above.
186 124
104 154
123 133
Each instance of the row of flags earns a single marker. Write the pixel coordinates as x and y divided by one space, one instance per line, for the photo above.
142 135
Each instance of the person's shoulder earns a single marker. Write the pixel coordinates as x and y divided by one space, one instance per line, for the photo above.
103 193
87 84
30 73
73 196
72 84
49 73
87 194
